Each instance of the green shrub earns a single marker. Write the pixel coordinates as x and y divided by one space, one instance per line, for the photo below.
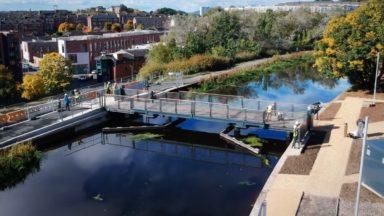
254 142
195 64
151 69
238 77
245 56
17 162
200 63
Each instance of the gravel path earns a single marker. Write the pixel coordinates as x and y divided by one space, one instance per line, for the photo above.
302 164
330 112
375 114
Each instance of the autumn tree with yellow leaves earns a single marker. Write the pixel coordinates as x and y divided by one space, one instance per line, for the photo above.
350 45
54 76
33 86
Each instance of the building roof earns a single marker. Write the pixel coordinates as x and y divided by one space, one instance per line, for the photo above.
108 35
128 53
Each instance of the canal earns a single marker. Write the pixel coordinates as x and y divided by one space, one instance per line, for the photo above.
187 170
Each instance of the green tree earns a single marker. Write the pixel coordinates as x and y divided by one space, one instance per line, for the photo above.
225 28
32 87
169 11
56 72
350 44
139 27
160 53
124 8
7 83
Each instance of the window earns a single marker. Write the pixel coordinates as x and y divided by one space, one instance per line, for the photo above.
84 47
73 58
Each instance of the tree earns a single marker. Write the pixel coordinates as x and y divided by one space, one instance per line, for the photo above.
169 11
160 54
7 83
79 27
107 26
116 27
129 25
139 27
32 87
124 8
56 72
66 27
213 11
224 31
350 45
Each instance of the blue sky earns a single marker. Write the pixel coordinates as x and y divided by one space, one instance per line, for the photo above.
188 5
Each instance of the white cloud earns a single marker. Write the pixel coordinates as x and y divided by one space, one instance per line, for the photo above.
188 5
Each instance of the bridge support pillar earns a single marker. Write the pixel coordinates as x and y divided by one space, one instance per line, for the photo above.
236 131
145 119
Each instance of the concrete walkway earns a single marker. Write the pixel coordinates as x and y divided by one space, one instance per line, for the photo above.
328 172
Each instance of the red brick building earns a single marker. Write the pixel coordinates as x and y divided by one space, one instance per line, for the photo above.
10 53
121 64
83 50
37 49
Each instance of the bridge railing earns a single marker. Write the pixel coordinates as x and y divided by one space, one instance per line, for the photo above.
85 100
236 101
195 109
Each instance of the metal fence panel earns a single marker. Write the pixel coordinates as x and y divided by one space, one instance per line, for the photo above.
373 166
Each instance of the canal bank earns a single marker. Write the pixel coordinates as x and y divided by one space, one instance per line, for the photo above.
102 148
94 173
319 189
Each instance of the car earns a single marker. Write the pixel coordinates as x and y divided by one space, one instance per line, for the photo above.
82 77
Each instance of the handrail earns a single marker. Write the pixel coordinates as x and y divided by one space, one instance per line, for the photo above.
203 102
242 97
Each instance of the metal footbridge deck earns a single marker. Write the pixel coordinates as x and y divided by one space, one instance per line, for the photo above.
213 107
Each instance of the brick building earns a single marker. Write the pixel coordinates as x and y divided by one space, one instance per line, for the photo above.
121 64
37 23
154 22
83 50
97 22
10 53
36 49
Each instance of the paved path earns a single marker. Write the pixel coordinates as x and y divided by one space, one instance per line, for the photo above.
199 77
45 120
328 172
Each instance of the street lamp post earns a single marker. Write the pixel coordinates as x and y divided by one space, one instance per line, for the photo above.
376 76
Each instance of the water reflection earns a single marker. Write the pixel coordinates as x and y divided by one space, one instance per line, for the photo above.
17 173
138 178
301 84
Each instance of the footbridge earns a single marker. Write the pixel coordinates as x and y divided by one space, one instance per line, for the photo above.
244 112
31 122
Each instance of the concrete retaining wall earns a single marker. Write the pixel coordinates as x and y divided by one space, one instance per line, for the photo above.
78 123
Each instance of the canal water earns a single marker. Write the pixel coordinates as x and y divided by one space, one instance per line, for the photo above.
112 174
291 86
188 171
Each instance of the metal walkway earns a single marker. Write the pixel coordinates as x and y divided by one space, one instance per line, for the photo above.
223 108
